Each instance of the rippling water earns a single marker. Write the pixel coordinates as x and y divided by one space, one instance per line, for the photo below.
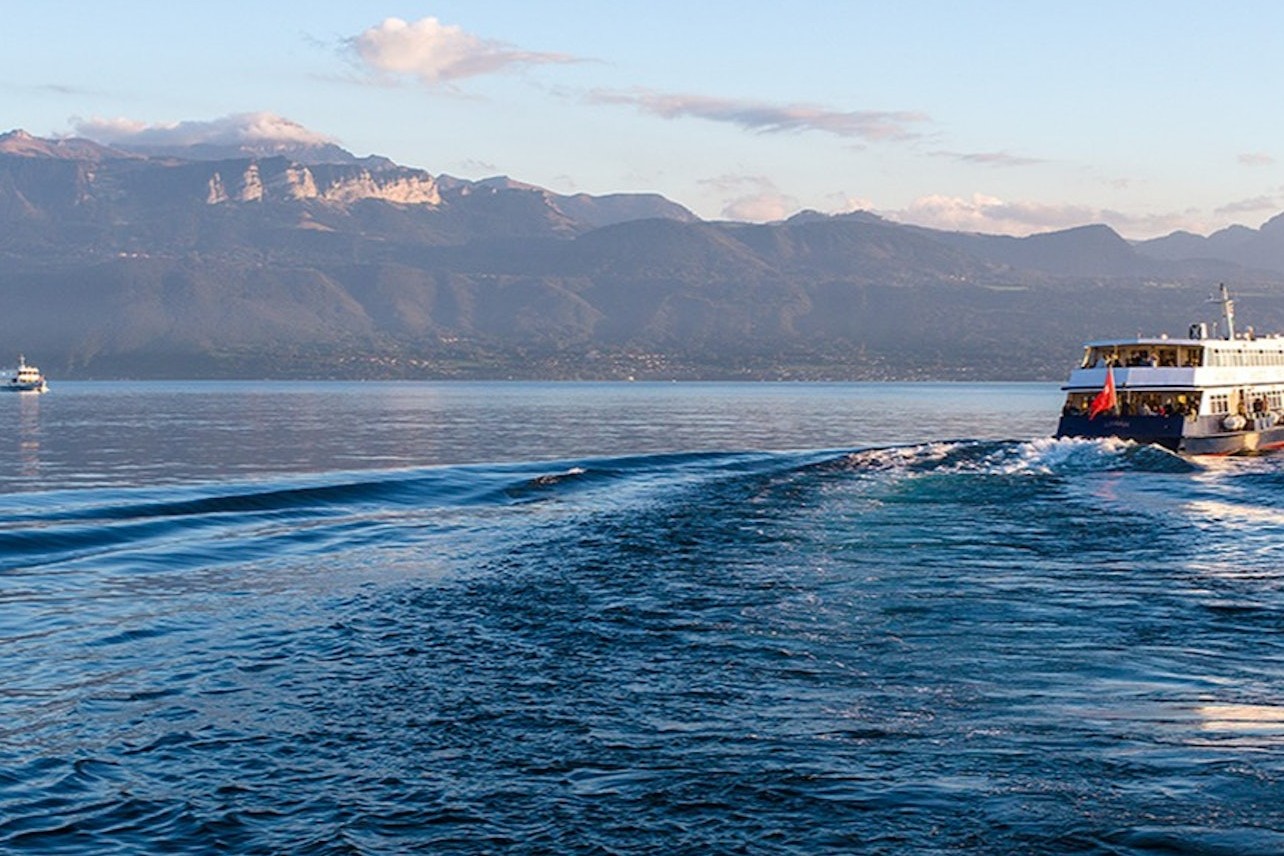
620 619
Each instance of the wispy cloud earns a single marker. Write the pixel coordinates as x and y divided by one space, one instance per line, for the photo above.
1255 159
234 129
65 89
51 89
432 53
992 215
1250 206
872 125
994 159
473 166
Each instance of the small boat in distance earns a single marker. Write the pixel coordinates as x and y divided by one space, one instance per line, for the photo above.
1201 395
25 378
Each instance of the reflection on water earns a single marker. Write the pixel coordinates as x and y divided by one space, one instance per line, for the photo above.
28 435
1261 719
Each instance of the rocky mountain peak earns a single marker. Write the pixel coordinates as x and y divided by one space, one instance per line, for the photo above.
19 143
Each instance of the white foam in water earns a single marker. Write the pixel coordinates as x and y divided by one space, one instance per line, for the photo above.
1041 456
555 478
1047 455
898 457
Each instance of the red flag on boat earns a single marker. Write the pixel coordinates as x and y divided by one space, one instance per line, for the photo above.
1105 399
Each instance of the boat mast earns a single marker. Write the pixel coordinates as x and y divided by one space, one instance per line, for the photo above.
1228 310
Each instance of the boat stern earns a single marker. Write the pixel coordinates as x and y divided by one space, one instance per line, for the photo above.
1164 431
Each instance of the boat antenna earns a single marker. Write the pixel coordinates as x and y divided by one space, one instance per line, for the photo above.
1228 310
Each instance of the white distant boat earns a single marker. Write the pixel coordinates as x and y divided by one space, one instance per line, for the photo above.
25 378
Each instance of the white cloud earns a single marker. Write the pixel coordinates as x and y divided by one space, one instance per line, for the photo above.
751 198
769 118
432 52
763 207
845 203
236 129
982 213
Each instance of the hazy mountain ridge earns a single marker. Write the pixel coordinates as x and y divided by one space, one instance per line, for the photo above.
1258 248
270 265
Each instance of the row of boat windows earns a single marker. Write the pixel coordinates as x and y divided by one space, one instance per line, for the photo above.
1162 357
1247 402
1246 358
1138 403
1184 404
1178 357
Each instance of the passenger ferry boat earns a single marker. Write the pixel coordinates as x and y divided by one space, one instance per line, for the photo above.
1201 395
25 378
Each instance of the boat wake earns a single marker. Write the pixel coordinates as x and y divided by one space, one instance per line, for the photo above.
247 521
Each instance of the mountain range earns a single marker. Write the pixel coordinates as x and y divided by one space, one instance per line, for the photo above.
307 261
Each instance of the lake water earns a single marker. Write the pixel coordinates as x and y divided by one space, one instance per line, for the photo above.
622 618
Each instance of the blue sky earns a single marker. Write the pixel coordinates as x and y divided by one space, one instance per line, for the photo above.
1006 117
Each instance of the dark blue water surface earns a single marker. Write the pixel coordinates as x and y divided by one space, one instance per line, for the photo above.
559 618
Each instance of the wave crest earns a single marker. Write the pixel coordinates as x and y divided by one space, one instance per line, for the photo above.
1043 456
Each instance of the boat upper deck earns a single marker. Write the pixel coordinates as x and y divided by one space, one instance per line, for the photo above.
1164 362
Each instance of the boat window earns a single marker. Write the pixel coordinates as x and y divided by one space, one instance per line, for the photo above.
1138 357
1099 358
1219 403
1154 404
